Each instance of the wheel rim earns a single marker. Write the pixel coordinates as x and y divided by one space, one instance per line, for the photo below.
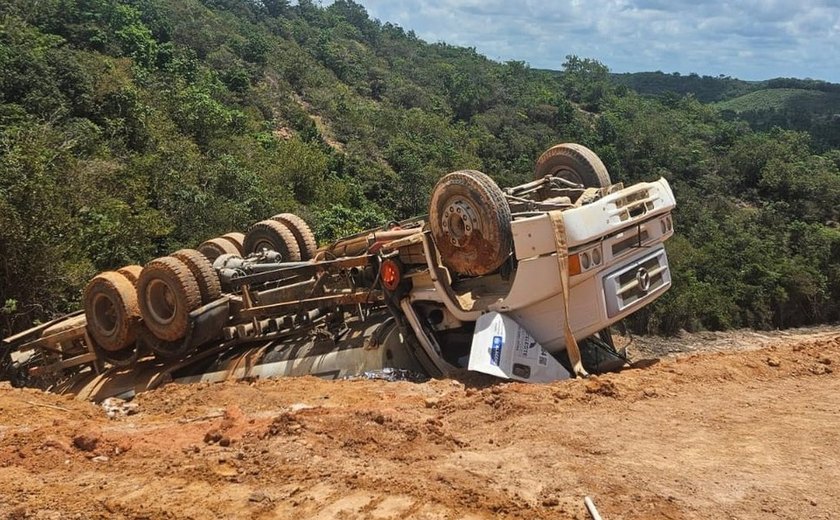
161 300
263 244
459 221
105 314
569 175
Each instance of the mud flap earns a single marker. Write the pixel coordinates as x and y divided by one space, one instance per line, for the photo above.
563 264
503 348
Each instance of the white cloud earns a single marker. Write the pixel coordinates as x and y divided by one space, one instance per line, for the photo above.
750 39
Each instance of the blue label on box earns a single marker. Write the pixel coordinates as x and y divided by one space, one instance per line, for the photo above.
496 350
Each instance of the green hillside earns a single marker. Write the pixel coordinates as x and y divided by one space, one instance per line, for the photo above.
816 112
132 128
797 104
813 101
707 89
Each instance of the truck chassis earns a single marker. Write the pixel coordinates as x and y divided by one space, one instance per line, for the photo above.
564 256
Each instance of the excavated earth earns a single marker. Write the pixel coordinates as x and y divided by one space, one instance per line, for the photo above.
740 426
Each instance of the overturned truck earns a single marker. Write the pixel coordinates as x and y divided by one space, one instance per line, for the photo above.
521 283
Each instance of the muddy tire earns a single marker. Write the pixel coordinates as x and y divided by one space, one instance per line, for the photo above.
112 311
132 272
201 268
303 234
575 163
121 358
470 222
163 350
216 247
274 236
237 239
167 293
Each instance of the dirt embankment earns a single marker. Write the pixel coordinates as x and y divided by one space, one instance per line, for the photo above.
745 434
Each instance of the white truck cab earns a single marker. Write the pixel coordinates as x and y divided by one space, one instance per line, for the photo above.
616 264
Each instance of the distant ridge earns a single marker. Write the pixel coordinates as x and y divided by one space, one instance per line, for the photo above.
711 89
707 89
804 100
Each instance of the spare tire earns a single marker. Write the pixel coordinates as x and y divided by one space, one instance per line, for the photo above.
167 293
216 247
470 222
132 272
274 236
235 238
303 234
112 311
575 163
206 277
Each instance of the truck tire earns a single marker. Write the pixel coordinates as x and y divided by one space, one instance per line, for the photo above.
236 238
216 247
303 234
120 358
167 292
274 236
575 163
470 222
163 350
132 272
201 268
112 311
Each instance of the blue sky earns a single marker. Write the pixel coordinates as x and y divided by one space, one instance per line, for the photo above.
748 39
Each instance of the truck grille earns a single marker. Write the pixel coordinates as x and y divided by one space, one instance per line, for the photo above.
636 282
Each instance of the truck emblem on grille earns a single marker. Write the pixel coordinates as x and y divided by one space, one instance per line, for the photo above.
643 278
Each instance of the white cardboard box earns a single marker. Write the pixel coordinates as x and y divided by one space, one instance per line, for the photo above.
502 348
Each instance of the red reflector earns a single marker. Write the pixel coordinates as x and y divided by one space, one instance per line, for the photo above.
390 274
574 264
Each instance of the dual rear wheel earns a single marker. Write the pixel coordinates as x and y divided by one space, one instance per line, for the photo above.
286 234
162 294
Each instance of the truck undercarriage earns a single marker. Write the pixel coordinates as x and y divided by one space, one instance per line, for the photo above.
520 283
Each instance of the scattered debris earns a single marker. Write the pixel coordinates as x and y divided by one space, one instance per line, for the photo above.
202 418
394 374
45 405
300 406
115 407
590 506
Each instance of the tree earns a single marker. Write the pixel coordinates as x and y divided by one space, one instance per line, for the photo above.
586 81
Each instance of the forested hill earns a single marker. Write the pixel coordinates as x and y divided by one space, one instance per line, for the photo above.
808 105
710 89
707 89
130 128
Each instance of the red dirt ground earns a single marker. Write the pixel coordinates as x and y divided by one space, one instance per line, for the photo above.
748 434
